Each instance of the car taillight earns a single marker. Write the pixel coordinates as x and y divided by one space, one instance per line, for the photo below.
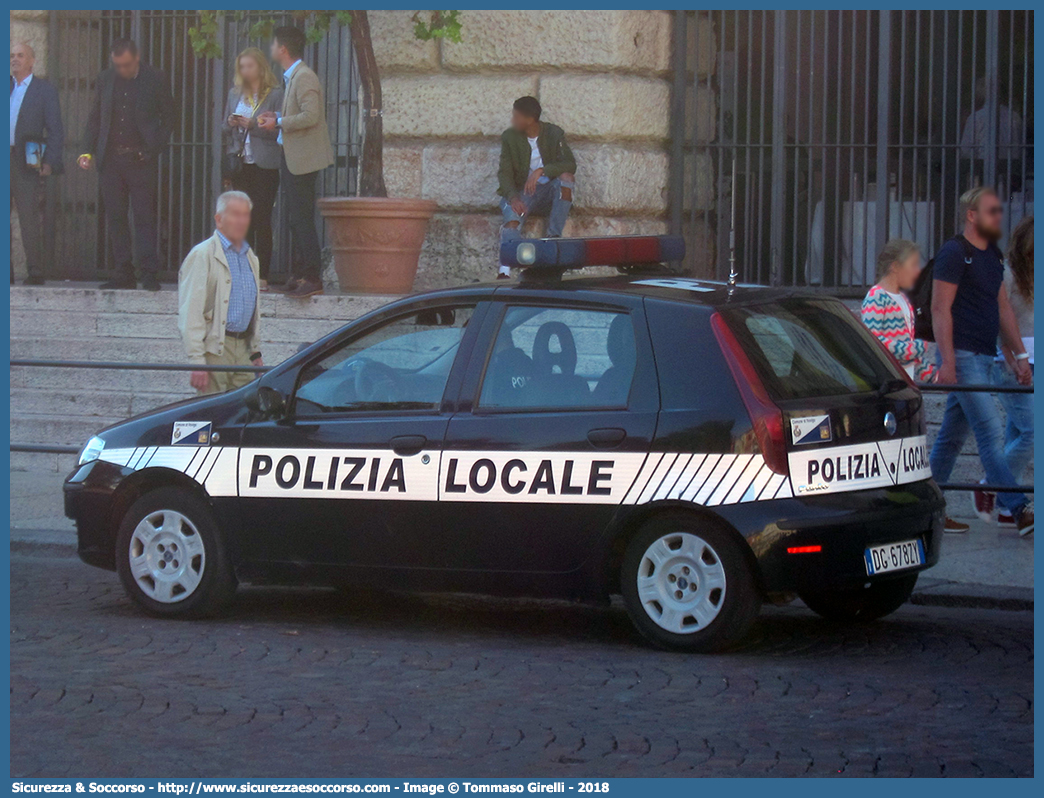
804 549
764 415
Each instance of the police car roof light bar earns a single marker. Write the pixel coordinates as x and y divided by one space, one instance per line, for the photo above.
561 254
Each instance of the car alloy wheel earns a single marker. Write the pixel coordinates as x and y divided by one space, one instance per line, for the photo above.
688 583
167 556
170 555
681 583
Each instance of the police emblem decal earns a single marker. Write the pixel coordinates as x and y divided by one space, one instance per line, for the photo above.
810 429
191 433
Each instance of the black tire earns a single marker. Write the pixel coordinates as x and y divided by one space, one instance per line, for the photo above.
865 603
737 602
205 565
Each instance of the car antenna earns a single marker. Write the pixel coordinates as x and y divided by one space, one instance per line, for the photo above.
732 233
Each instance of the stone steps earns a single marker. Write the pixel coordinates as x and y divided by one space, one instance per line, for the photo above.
89 300
100 380
59 429
76 402
76 322
50 463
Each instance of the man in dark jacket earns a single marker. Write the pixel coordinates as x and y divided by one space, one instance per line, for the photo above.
536 173
37 139
128 129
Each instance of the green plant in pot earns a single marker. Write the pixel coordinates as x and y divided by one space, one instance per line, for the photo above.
375 239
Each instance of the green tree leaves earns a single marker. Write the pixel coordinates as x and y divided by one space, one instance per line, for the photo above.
204 36
439 25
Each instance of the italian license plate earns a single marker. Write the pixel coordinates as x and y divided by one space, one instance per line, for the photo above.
894 556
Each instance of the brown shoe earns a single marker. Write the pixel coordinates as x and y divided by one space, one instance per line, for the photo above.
285 288
306 288
955 527
1025 521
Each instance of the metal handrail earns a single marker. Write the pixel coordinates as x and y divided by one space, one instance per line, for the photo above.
132 365
46 448
935 387
986 486
116 365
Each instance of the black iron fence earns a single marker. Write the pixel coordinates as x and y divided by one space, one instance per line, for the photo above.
54 448
189 171
818 135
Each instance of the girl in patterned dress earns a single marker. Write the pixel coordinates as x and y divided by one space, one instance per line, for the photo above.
887 312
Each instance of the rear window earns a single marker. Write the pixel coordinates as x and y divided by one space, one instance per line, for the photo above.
805 348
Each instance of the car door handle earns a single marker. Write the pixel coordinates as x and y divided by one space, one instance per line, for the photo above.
606 437
406 445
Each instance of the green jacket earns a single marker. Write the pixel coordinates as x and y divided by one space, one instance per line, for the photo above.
515 152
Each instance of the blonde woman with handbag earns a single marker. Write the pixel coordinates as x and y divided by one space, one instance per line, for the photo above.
251 158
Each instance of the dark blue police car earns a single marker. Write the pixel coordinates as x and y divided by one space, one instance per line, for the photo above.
696 447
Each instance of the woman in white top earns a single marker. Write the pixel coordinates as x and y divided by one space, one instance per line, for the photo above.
252 155
1018 281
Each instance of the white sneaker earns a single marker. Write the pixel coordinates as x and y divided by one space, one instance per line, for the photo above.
1025 520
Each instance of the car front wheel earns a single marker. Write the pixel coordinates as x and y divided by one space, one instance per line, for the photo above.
865 603
170 558
687 584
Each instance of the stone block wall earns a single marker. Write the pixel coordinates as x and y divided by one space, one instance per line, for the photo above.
603 76
31 27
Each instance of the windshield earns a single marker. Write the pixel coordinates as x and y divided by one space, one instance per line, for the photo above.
807 347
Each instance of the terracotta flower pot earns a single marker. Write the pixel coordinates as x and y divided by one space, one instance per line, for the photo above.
376 241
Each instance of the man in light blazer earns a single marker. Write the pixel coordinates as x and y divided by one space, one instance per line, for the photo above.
219 313
306 152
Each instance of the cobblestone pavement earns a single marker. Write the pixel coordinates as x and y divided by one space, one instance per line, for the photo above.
296 683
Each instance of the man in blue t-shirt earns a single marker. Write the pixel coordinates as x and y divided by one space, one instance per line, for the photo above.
970 309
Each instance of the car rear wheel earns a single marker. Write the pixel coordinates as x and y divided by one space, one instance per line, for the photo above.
687 584
170 558
867 603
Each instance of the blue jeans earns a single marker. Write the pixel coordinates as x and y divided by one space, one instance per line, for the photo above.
545 201
976 413
1018 433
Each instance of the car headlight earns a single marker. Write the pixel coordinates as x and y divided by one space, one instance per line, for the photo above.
92 451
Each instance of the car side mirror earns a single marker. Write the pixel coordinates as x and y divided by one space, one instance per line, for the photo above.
267 401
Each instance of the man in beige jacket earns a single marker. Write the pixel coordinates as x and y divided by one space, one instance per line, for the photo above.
306 152
218 301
